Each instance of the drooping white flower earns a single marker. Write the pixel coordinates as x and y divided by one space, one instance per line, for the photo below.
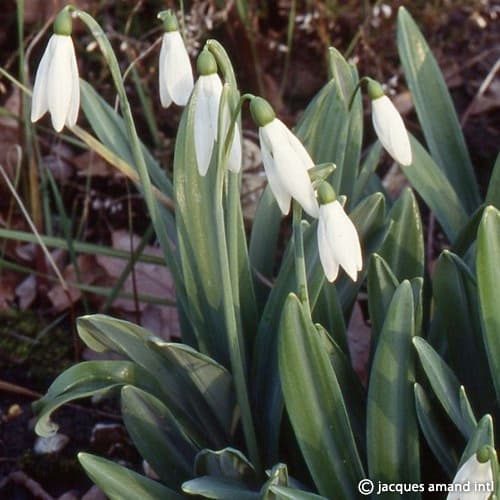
57 85
207 94
285 159
389 125
175 74
476 476
338 240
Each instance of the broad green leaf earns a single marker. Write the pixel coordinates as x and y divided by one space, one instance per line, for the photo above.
435 189
493 193
287 493
456 301
158 436
316 407
467 235
227 463
392 430
201 374
185 401
403 248
445 385
119 483
437 438
87 379
196 233
219 488
381 287
366 172
436 112
263 242
488 279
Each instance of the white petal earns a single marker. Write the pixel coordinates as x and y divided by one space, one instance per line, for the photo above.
59 81
292 168
234 160
391 130
74 104
39 104
326 255
472 471
345 240
208 91
178 72
282 196
165 98
299 150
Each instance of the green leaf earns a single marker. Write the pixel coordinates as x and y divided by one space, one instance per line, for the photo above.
227 463
436 437
381 287
220 488
445 385
158 436
482 435
392 431
436 111
456 301
87 379
119 483
403 249
316 407
366 172
488 278
493 194
435 189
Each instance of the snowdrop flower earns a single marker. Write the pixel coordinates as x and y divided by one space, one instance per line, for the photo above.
57 87
389 125
338 240
207 95
175 75
285 159
477 473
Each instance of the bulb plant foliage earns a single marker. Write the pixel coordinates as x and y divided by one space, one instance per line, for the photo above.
262 399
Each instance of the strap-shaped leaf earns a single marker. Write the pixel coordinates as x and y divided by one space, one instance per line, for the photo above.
84 380
220 488
445 385
392 431
287 493
316 407
456 301
403 249
120 483
436 112
437 438
229 463
488 278
158 436
493 194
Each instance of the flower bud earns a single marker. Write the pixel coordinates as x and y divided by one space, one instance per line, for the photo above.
206 63
262 112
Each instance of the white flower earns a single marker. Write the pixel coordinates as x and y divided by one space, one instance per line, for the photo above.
208 91
477 476
175 75
286 163
391 130
57 87
338 242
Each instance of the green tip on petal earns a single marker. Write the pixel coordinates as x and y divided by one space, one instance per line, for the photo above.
326 194
483 454
262 112
374 89
169 20
63 25
206 63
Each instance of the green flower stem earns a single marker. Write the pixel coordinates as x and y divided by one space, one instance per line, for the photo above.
230 298
135 146
300 262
